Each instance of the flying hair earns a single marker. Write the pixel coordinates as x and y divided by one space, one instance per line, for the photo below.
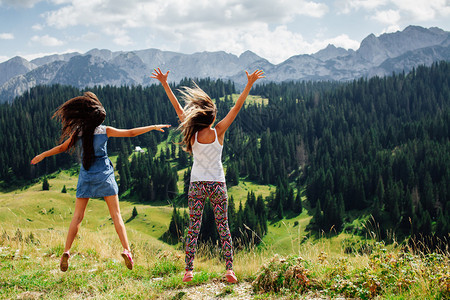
199 112
79 117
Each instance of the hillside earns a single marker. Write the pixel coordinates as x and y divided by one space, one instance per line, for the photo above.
338 190
375 147
34 224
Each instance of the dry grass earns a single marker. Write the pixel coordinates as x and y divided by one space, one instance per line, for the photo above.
34 227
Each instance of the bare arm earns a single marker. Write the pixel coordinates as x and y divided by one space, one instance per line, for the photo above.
223 125
114 132
157 74
55 150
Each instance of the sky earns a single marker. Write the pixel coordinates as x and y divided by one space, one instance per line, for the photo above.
273 29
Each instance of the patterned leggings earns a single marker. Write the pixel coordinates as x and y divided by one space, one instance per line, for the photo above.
217 193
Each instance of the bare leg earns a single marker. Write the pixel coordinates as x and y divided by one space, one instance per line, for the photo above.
114 211
78 215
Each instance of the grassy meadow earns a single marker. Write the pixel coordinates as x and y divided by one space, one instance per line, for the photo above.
289 263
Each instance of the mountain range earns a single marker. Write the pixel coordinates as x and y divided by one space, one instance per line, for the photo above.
376 56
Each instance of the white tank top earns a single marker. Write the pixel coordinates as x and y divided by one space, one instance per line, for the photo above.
207 161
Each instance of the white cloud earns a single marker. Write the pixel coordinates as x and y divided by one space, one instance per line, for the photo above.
391 28
276 45
387 16
424 10
412 10
32 56
347 6
37 27
20 3
59 2
6 36
197 25
342 40
4 58
90 37
47 40
115 17
137 13
237 12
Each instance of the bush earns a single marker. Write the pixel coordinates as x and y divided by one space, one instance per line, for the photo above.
395 272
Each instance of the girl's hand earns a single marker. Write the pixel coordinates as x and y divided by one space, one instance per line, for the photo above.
157 74
160 127
37 159
255 76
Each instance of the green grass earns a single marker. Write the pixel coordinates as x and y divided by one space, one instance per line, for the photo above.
34 225
240 191
251 99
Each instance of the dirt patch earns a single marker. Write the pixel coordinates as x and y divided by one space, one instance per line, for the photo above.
220 289
216 289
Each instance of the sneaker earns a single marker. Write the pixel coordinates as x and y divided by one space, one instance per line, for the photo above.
231 277
188 276
128 259
64 263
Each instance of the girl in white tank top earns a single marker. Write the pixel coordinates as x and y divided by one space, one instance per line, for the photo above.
207 177
207 161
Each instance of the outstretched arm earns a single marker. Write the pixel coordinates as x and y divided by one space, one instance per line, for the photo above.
157 74
223 125
55 150
114 132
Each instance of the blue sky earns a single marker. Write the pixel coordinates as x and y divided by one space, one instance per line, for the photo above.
273 29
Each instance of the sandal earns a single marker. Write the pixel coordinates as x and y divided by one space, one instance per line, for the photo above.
231 277
128 259
188 276
64 263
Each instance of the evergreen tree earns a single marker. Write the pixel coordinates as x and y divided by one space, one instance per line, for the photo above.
318 216
45 184
280 212
186 181
208 231
298 206
183 158
232 175
232 215
290 200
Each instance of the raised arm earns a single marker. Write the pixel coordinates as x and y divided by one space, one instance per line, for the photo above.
157 74
223 125
55 150
114 132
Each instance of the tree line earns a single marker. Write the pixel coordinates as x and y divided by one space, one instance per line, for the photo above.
377 146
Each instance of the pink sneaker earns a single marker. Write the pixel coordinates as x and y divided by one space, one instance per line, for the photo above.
231 277
188 276
128 259
64 263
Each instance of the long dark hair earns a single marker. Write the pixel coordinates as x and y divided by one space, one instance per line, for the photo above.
79 117
199 113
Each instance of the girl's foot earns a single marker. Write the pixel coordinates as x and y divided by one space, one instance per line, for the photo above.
64 263
231 277
128 259
188 276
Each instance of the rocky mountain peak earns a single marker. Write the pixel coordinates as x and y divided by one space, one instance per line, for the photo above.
330 52
14 67
376 56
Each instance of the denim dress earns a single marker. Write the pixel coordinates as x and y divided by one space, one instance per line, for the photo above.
99 180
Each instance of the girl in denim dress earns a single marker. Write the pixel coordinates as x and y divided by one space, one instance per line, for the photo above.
82 119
